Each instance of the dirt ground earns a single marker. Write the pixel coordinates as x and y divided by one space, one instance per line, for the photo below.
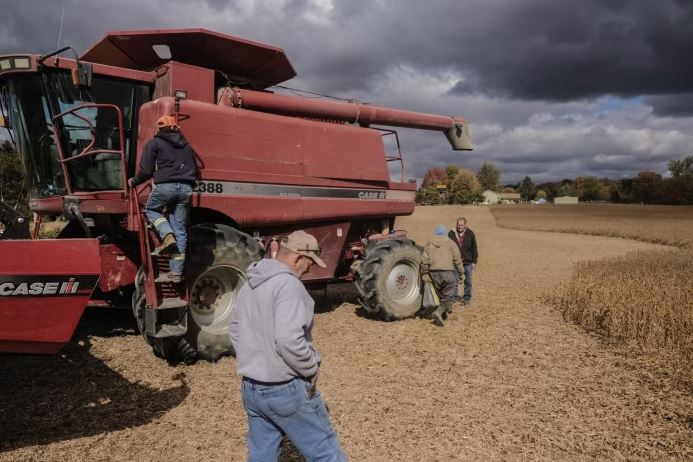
506 379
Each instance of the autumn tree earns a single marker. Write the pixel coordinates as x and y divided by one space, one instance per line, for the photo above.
433 177
567 189
489 177
550 188
527 189
682 167
429 196
464 188
588 188
679 188
648 187
451 172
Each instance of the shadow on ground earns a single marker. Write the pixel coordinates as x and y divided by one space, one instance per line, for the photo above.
44 399
106 322
333 296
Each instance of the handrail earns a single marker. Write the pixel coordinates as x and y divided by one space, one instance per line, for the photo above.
137 214
143 238
86 152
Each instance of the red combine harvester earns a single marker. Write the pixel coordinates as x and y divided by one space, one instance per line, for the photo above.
270 164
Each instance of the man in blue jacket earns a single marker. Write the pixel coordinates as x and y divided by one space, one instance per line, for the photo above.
270 330
169 159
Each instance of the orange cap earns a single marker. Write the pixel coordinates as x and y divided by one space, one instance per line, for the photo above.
166 121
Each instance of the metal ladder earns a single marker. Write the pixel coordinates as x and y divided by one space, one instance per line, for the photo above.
166 302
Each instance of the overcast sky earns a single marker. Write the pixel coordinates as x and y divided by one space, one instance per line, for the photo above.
551 89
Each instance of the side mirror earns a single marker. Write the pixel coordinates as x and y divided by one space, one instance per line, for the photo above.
81 75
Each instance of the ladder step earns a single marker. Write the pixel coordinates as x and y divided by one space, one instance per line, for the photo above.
173 303
171 330
166 278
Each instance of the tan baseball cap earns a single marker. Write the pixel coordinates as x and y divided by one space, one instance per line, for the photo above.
304 244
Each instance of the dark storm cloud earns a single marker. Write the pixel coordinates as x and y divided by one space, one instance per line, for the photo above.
529 49
545 49
680 105
33 26
532 76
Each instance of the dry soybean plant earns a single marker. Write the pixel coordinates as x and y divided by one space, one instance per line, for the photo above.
643 300
661 224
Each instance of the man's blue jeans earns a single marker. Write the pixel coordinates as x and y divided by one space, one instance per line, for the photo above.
174 197
278 410
468 270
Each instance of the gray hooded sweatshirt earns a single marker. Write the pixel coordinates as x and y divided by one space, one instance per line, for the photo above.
271 324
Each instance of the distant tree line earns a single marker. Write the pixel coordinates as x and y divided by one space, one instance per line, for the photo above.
454 185
646 187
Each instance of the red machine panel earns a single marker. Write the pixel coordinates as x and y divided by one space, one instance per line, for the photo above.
44 287
197 82
263 64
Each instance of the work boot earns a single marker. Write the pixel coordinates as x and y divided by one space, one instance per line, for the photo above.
437 315
168 246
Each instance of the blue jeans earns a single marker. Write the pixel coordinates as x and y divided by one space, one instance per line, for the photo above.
175 197
468 270
278 410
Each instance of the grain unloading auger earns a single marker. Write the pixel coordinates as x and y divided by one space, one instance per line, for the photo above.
270 164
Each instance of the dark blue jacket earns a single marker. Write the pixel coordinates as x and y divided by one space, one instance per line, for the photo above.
169 158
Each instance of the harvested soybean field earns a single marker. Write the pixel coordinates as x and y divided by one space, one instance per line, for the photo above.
507 378
664 224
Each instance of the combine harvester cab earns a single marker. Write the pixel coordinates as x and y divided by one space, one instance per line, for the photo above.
270 164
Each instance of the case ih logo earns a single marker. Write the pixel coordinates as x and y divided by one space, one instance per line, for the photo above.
28 286
372 195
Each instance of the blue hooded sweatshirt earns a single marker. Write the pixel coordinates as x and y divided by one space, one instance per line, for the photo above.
168 158
270 327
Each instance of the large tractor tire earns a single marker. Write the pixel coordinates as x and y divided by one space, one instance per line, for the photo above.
389 284
215 272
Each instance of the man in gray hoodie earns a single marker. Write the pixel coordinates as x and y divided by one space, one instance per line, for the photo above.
270 330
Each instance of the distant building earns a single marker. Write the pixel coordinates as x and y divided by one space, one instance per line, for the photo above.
492 197
565 200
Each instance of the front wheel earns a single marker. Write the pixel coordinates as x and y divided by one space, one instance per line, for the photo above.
389 284
219 258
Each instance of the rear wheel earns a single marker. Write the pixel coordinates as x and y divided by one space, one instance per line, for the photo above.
219 258
389 284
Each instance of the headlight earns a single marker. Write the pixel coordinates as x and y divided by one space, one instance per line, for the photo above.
9 63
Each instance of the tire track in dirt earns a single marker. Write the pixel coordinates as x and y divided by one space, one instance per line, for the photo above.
506 379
